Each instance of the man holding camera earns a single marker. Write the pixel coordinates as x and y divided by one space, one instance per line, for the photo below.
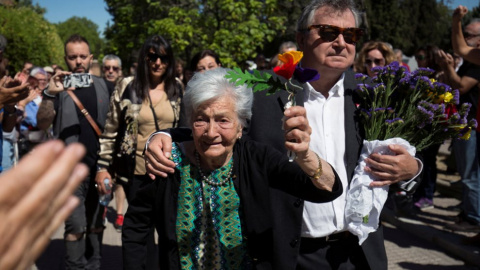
79 116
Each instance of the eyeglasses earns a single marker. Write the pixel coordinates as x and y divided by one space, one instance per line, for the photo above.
330 32
152 57
420 57
107 68
467 35
377 61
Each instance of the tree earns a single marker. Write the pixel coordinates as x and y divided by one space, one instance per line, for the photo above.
407 24
30 37
85 28
28 4
236 30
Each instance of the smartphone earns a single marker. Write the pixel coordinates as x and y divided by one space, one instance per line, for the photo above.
77 80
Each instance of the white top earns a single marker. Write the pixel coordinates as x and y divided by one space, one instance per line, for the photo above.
326 117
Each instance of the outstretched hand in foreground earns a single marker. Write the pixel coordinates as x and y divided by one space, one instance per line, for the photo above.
35 198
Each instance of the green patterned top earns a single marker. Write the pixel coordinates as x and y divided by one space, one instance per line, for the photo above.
208 227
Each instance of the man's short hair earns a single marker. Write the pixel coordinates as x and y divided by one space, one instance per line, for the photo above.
337 5
76 38
112 57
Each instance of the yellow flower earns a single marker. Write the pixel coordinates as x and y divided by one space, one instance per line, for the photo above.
467 134
447 97
292 57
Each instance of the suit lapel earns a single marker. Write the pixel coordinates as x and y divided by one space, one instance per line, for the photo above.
353 139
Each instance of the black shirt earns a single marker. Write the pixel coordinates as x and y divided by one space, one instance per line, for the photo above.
84 130
473 71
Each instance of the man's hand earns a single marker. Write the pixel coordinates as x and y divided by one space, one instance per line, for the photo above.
12 91
55 85
444 60
391 169
297 130
100 184
35 199
157 156
459 13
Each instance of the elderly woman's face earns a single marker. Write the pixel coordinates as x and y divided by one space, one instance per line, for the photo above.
215 129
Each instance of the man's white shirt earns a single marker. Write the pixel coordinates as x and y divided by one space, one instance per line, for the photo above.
326 117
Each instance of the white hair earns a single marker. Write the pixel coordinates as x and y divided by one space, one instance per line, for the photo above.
212 85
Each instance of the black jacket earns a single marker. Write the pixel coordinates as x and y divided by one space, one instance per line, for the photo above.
259 169
265 127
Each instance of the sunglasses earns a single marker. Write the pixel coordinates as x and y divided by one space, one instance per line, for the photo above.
152 57
420 57
377 61
107 68
329 33
467 35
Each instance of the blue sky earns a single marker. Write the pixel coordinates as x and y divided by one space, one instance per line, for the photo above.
95 10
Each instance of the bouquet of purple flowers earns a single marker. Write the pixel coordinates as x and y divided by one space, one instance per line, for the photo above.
411 106
404 108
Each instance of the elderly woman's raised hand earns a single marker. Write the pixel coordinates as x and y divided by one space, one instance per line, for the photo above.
297 130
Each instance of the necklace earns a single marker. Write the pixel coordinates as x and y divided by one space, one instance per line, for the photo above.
208 179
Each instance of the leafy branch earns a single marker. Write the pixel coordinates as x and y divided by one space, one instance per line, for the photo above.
257 80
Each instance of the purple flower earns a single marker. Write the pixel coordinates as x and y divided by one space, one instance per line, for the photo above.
366 113
423 72
465 108
425 116
394 121
456 96
473 123
360 76
303 75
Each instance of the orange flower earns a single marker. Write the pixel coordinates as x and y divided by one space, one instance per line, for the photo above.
290 60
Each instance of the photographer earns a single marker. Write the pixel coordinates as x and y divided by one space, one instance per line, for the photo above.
78 112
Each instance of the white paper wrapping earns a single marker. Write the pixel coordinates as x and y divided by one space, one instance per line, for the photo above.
364 204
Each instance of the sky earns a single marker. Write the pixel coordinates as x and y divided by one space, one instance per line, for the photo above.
95 10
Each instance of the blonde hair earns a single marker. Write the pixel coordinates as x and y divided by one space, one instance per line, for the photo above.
383 47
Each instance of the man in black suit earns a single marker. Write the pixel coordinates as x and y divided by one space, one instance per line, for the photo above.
314 236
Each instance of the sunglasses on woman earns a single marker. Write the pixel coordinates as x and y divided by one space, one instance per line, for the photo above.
329 33
152 57
377 61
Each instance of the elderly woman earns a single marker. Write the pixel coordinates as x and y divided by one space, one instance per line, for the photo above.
214 211
373 54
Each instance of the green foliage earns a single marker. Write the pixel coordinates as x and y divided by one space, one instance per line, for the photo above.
28 4
236 30
85 28
30 37
407 24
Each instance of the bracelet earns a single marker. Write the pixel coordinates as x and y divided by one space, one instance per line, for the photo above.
101 169
319 171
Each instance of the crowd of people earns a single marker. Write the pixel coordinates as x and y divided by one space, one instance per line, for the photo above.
202 161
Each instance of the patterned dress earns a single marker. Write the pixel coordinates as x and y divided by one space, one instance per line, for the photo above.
208 227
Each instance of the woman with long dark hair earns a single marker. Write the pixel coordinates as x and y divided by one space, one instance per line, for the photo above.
139 106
